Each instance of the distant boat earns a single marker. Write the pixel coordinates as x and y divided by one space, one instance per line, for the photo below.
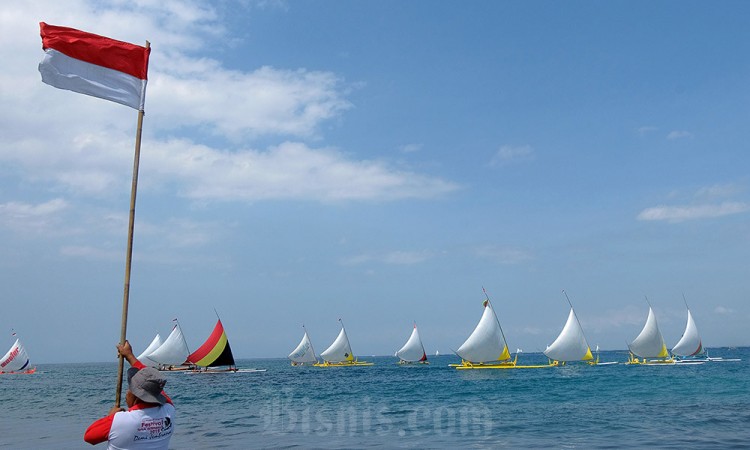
690 347
16 361
649 345
304 353
690 344
340 354
413 350
156 343
486 347
172 354
437 353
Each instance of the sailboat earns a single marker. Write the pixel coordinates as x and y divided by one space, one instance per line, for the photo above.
16 361
571 344
304 353
649 345
339 354
216 352
486 347
172 354
690 347
155 343
413 350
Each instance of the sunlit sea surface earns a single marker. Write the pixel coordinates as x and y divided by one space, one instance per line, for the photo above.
392 406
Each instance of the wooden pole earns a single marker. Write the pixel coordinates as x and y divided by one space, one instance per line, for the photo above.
129 252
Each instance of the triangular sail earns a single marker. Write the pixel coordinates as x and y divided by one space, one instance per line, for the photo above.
215 351
16 359
486 343
690 343
172 352
413 350
571 344
156 343
340 350
304 353
649 343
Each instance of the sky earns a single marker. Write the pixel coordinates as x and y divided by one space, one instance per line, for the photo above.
381 163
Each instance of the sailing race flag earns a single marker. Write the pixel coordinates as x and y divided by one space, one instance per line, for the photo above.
94 65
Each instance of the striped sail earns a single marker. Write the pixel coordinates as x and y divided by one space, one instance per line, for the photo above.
340 350
215 351
486 343
16 359
571 344
690 343
172 352
413 350
649 343
304 353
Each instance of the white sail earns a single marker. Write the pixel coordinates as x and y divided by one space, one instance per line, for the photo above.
413 350
649 343
690 343
486 343
571 344
156 343
16 359
173 352
340 350
304 352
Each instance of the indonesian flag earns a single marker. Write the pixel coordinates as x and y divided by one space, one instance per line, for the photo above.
94 65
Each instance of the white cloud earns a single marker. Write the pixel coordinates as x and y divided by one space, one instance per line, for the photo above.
503 255
693 212
288 171
32 217
508 154
62 140
643 131
397 257
723 310
679 134
411 148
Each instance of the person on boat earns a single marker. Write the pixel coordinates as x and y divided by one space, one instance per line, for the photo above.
148 422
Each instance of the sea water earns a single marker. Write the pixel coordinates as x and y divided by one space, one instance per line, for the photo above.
418 406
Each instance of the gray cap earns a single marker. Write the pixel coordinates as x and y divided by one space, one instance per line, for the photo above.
147 384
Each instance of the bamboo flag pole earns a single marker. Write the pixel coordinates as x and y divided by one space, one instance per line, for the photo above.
129 252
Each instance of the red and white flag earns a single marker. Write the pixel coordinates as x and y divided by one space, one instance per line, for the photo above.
94 65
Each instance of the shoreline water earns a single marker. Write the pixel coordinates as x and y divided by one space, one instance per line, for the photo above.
392 406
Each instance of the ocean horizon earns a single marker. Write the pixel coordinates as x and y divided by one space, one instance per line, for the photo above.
416 406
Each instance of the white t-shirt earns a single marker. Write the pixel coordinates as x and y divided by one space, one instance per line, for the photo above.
149 428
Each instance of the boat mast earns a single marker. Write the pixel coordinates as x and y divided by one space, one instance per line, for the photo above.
505 341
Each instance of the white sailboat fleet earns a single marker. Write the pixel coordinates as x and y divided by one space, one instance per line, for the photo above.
413 351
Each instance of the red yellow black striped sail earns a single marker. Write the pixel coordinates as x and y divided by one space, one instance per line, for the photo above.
215 351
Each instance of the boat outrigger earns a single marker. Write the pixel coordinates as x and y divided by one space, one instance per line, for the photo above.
339 354
486 347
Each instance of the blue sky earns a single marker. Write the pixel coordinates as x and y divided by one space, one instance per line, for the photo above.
381 162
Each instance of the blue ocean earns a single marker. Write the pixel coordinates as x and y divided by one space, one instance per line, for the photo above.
421 406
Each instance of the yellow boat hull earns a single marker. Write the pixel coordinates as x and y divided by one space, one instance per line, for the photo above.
343 364
505 365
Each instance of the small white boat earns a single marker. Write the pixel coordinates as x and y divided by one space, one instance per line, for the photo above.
304 353
413 350
340 354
